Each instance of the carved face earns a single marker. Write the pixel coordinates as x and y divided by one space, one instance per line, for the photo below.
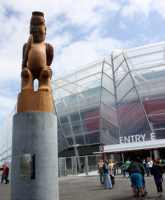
38 32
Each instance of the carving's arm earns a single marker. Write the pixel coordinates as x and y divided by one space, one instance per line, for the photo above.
26 49
24 56
49 54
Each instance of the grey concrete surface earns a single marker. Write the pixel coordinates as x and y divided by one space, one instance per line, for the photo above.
35 133
88 188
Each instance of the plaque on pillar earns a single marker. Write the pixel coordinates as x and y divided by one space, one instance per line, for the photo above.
27 166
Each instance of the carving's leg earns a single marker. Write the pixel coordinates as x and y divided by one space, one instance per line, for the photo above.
27 79
44 79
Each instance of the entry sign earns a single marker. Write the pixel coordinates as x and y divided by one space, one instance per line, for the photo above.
136 138
27 166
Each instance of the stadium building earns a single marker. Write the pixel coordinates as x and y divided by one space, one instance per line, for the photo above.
116 105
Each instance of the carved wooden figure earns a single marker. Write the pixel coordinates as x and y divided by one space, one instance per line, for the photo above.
37 55
37 58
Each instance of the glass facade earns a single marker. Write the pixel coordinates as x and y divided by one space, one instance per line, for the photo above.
117 100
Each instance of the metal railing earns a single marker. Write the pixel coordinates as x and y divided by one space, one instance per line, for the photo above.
89 166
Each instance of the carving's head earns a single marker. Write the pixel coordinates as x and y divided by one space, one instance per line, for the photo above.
37 26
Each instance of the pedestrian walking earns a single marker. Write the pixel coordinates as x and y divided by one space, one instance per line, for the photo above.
157 172
5 173
136 171
125 167
150 165
100 171
112 171
107 178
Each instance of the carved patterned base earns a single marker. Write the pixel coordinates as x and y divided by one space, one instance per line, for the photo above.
40 101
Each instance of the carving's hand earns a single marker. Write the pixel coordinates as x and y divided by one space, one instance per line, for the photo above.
45 73
25 73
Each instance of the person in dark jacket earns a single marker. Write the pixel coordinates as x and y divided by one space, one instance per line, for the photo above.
157 172
5 173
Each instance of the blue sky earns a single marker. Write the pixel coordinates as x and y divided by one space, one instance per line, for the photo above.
81 32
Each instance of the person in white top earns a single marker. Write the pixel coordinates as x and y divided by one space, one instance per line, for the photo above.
150 164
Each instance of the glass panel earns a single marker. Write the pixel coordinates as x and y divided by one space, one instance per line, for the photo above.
130 97
90 113
75 117
77 128
64 119
159 125
144 60
126 108
107 98
66 129
133 112
109 133
70 140
109 113
146 78
159 134
92 163
62 142
107 69
118 61
154 106
121 72
124 87
91 124
91 96
78 81
92 138
79 140
107 83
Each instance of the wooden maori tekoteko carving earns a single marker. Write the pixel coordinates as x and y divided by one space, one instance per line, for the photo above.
37 58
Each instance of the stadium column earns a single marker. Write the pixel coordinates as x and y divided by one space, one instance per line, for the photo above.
156 154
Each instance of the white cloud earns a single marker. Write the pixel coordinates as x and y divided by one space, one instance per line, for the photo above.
137 7
159 6
85 51
6 105
6 102
122 25
143 7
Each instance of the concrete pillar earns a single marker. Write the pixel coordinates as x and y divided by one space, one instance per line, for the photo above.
112 156
34 157
75 172
65 168
86 165
151 154
156 154
77 157
122 157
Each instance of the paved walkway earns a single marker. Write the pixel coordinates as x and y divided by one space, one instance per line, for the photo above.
88 188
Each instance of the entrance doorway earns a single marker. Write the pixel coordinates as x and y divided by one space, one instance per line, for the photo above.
143 154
